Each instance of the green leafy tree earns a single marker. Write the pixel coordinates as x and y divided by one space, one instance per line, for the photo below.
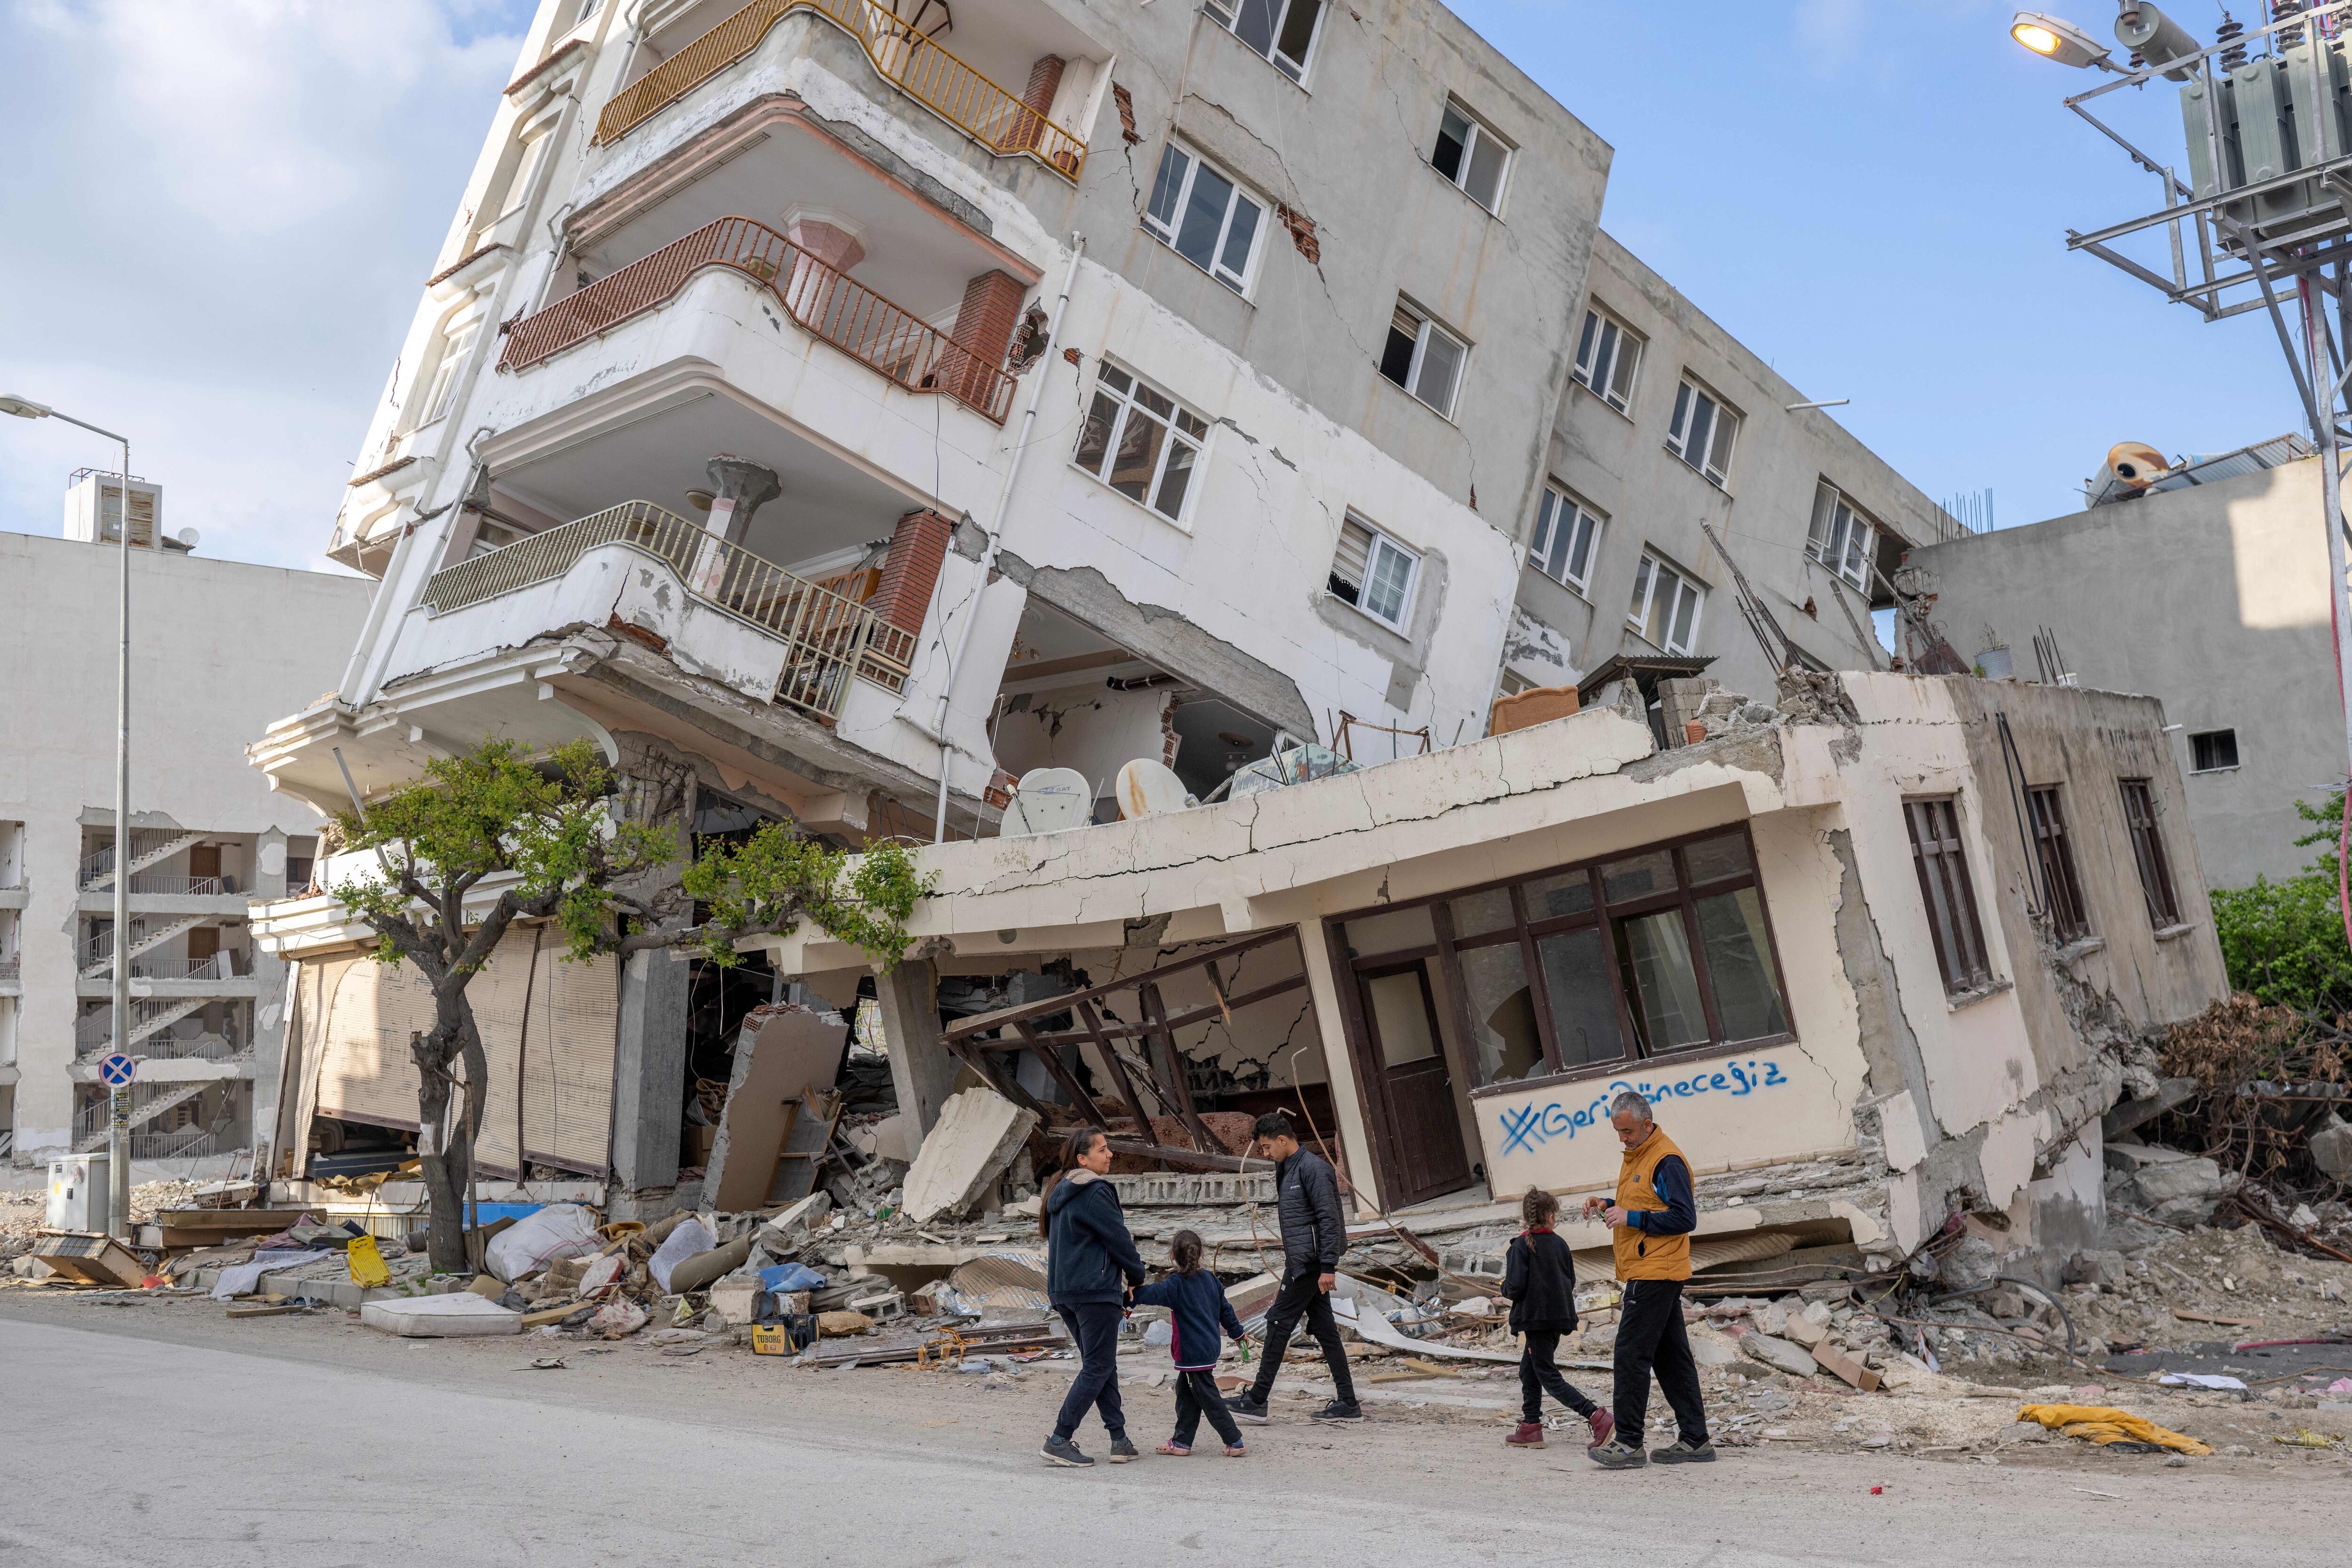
2283 941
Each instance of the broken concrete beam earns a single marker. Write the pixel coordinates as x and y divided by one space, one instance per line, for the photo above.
2130 1113
977 1135
1846 1367
1778 1355
784 1053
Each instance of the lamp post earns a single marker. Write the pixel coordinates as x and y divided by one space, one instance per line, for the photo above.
117 1137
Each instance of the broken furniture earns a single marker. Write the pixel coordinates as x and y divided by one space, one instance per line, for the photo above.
91 1260
784 1054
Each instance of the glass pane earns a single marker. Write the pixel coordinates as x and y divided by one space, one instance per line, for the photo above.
1167 187
1138 454
1685 612
1254 26
1584 347
1718 461
1657 956
1701 417
1621 377
1396 356
1716 858
1659 627
1452 137
1504 1041
1681 409
1641 590
1204 216
1570 894
1298 34
1391 581
1480 913
1392 933
1817 535
1192 424
1094 436
1577 972
1239 236
1738 962
1441 361
1485 181
1580 560
1623 881
1156 401
1539 548
1110 375
1401 1018
1170 501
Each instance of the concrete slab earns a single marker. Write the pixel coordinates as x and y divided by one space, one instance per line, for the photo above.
977 1135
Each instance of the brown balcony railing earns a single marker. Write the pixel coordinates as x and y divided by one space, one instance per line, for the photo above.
829 638
845 313
996 119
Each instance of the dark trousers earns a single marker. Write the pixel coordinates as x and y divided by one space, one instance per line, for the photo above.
1095 1325
1197 1395
1650 1338
1539 1373
1298 1298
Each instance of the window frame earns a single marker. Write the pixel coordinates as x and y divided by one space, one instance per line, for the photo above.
1948 900
1830 546
1589 522
2236 760
1687 392
1479 132
1227 15
440 398
2070 912
2146 827
1172 433
1237 194
1645 587
1381 539
1595 342
1604 915
1428 327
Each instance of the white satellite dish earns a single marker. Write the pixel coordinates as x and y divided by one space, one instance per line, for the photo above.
1146 788
189 536
1048 800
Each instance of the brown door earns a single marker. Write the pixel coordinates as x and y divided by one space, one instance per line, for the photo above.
1401 1018
203 943
203 860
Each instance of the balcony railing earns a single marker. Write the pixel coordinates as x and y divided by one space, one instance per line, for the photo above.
934 77
829 638
845 313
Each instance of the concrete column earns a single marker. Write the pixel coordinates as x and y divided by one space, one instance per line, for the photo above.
921 1068
737 489
649 1071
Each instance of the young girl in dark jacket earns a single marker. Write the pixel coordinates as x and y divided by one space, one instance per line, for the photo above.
1199 1319
1539 1280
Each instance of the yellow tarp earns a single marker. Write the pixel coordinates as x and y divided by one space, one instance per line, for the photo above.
2105 1423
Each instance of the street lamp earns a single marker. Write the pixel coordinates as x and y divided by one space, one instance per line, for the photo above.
118 1140
2058 40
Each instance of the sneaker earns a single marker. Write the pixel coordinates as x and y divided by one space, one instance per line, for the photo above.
1526 1434
1684 1452
1603 1423
1249 1407
1122 1451
1340 1410
1616 1455
1062 1451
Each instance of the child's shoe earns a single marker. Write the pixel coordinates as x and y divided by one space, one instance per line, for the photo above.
1527 1435
1236 1450
1174 1450
1603 1423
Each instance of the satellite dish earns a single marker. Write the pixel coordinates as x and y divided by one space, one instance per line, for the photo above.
1048 800
1146 788
188 537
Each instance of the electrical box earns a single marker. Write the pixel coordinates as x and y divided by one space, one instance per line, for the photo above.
78 1192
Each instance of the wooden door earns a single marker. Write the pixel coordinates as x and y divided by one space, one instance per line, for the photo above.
203 943
205 860
1408 1056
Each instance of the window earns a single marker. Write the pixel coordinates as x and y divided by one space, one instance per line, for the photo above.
1423 358
2212 751
1282 30
2148 848
1841 539
2068 916
1141 443
1943 864
443 394
1205 216
1470 155
1662 948
1374 573
1703 431
1665 605
1606 357
526 170
1566 535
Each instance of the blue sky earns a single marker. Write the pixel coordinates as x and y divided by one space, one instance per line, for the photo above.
219 217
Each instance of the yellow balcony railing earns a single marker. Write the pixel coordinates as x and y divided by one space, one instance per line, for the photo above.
961 96
829 638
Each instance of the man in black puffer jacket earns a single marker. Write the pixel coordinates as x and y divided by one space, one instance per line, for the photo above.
1307 1194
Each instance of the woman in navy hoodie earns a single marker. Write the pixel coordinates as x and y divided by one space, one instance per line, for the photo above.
1090 1266
1199 1317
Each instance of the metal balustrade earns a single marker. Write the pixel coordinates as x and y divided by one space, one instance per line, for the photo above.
914 62
829 304
828 637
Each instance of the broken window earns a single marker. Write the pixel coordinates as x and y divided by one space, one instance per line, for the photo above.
1142 442
1208 219
1423 358
2068 913
1703 431
1282 30
1606 357
442 395
2148 848
1374 573
1567 536
1841 539
1943 865
1665 605
2212 751
1470 155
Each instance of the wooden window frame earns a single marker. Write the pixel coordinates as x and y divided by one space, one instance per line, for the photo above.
2070 914
2147 831
1947 891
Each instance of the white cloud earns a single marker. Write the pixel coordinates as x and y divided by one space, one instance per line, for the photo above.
218 218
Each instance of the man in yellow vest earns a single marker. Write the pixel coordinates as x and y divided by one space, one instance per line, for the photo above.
1651 1217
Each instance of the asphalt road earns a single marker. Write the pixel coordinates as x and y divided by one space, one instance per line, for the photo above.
165 1436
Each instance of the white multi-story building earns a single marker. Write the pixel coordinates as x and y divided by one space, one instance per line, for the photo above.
218 648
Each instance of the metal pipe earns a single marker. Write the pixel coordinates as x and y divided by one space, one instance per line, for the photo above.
2331 487
996 533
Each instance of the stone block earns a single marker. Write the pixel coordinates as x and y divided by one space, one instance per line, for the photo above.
2181 1191
2105 1270
1804 1331
1778 1355
978 1133
2331 1149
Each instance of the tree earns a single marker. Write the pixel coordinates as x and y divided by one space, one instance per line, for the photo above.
2283 941
542 830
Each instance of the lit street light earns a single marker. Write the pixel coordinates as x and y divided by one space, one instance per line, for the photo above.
2061 41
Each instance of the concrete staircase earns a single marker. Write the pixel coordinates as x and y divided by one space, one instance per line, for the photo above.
145 937
141 1112
148 848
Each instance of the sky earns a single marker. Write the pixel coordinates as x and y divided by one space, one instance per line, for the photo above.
215 220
